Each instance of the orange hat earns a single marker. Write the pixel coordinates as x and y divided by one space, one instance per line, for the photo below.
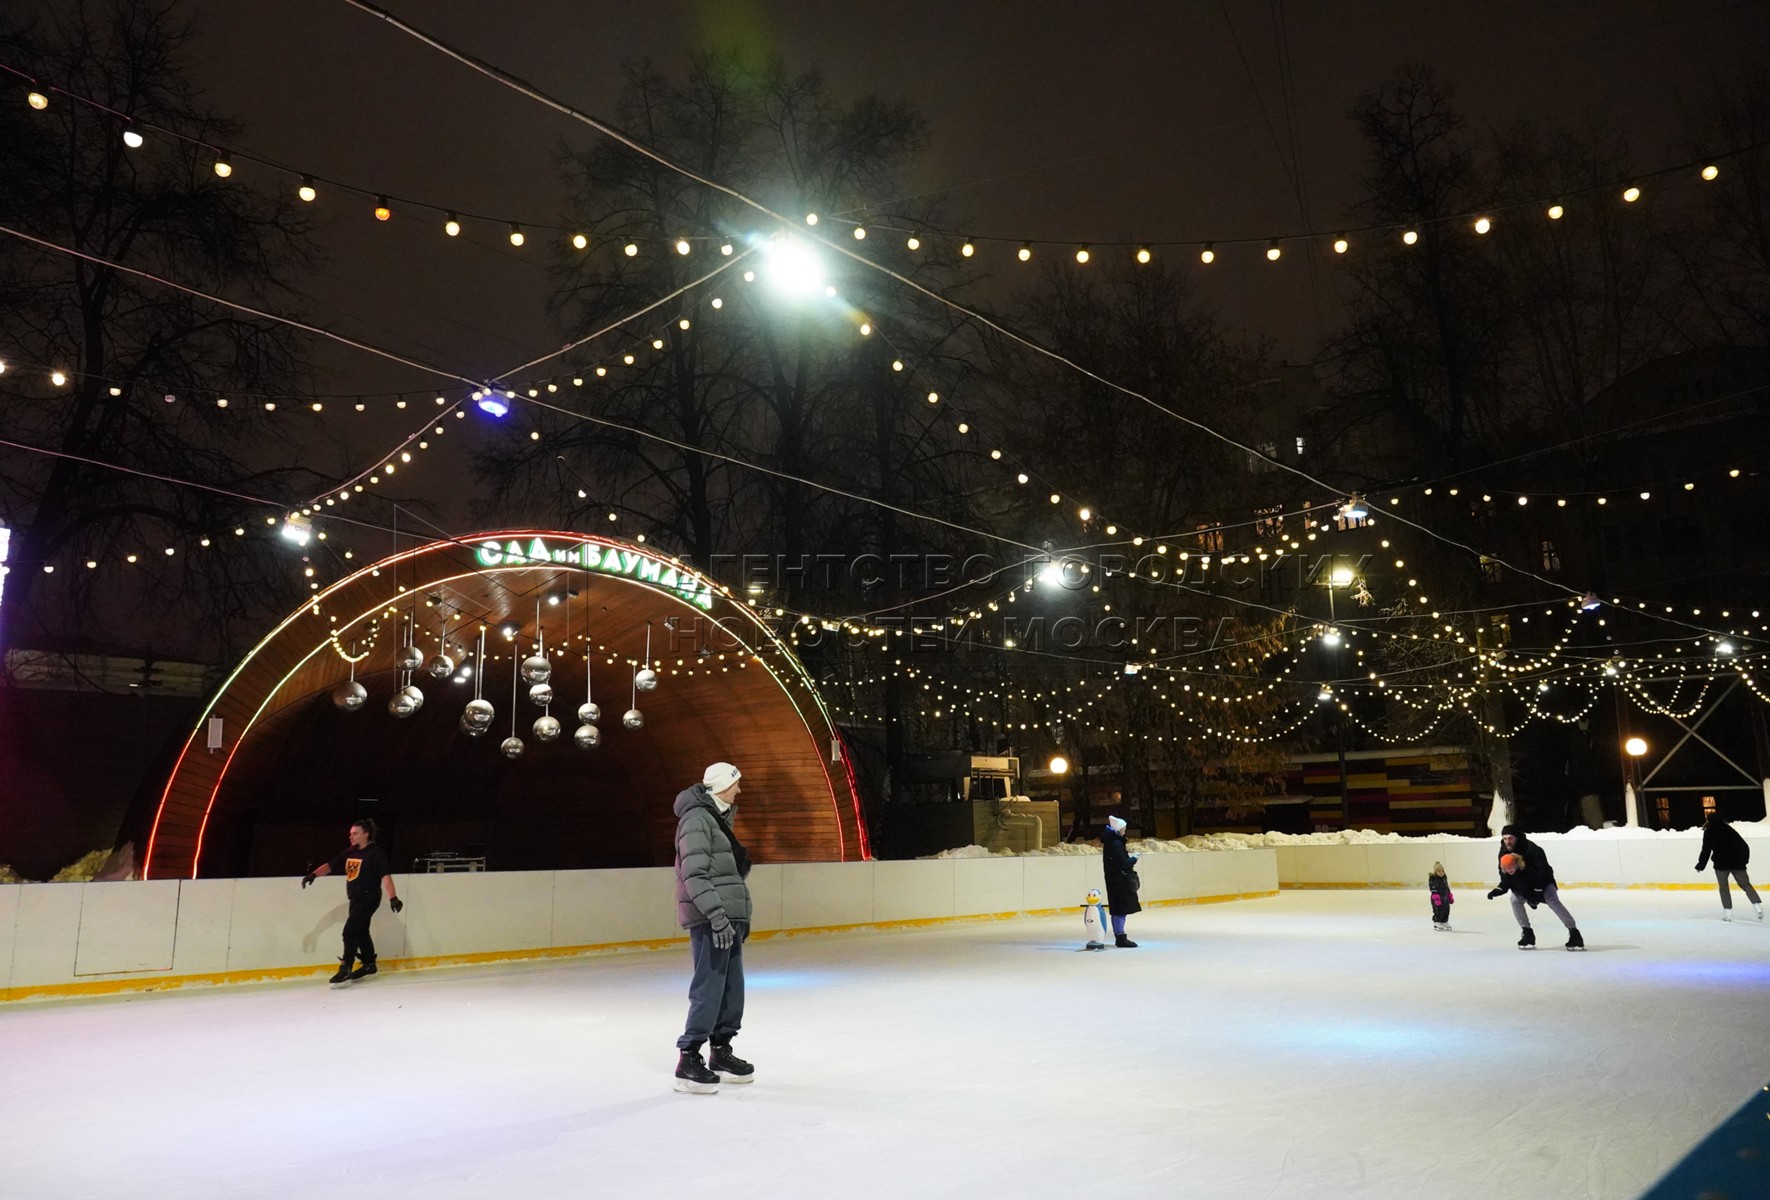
1511 862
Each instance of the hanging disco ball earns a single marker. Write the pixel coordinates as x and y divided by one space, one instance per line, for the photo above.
511 747
536 669
546 728
588 737
633 719
417 697
441 667
478 712
646 680
401 705
410 658
471 729
590 713
349 697
541 694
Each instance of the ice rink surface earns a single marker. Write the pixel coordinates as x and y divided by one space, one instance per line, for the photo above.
1314 1044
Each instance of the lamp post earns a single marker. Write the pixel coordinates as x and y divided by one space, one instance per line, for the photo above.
1338 577
1634 748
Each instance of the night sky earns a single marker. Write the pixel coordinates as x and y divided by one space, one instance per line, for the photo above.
1062 121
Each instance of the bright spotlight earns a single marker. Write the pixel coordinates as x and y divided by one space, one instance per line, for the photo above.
1341 577
1636 747
492 404
793 268
297 528
1051 575
1059 765
1331 638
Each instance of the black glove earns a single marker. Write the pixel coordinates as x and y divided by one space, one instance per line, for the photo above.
1496 893
396 904
723 933
308 878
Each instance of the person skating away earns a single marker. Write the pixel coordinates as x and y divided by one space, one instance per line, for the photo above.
1439 888
1525 872
1121 879
365 877
713 904
1731 854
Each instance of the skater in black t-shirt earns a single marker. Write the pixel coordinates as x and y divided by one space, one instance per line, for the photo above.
365 874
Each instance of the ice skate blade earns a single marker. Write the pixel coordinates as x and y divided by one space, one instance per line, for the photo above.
1578 949
340 983
728 1077
696 1089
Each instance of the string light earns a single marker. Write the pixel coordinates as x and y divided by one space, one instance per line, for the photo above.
1083 255
1024 254
1556 212
307 192
1410 237
1711 173
37 100
223 168
516 235
383 210
1208 255
1631 194
1143 254
451 225
1340 244
580 242
1273 252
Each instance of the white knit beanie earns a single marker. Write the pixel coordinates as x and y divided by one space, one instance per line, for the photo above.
720 776
1116 824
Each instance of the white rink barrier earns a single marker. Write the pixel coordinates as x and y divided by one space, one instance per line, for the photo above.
1663 860
80 939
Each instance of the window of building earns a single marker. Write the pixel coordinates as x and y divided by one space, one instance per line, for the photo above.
1551 556
1708 806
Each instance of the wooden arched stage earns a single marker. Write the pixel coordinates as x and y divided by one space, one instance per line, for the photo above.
292 768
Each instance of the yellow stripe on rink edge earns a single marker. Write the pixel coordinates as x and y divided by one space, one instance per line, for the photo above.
1293 885
167 983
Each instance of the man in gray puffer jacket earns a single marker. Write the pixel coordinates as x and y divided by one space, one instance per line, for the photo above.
713 904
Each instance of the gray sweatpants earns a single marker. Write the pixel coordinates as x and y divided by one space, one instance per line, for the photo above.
1550 897
716 993
1739 877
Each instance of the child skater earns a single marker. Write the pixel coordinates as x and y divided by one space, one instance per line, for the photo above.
1442 899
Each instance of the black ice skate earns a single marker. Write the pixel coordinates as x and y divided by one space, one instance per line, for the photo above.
692 1074
728 1066
1124 943
1095 946
343 978
1575 941
1528 941
364 971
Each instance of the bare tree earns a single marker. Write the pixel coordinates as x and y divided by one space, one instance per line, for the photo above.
127 343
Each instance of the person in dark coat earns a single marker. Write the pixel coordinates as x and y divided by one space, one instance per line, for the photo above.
1730 853
1438 886
713 904
1525 872
1121 879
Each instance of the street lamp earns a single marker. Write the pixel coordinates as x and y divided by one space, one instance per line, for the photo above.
1634 747
1059 765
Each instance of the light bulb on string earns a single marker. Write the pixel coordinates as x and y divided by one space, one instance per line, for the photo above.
132 136
1208 254
1483 224
451 225
1273 251
1083 254
967 249
383 210
1144 254
1556 212
223 167
580 242
37 100
682 246
913 242
631 249
1410 237
307 192
1024 254
516 234
1711 173
1631 194
1341 244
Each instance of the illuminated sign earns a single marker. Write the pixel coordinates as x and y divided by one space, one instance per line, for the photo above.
610 560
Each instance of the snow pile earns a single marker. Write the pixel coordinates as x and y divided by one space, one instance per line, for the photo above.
1338 837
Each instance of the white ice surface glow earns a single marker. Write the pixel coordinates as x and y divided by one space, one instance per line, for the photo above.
1315 1044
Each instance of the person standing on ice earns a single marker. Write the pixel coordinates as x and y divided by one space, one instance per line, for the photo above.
1121 879
1526 873
366 876
1439 886
713 904
1731 853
